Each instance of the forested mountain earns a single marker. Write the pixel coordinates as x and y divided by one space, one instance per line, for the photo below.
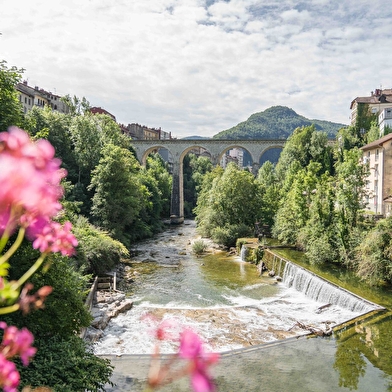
277 122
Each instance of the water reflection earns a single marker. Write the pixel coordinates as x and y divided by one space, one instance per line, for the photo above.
364 342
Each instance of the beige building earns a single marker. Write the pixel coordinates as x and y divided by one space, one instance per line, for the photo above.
36 96
378 155
377 102
142 132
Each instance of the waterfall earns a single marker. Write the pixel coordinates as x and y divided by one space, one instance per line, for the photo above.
323 291
243 253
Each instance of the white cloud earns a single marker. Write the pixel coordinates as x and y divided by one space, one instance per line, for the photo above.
198 66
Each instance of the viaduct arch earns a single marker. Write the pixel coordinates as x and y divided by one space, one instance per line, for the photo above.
178 148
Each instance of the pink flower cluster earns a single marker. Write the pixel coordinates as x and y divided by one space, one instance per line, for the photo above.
30 191
15 343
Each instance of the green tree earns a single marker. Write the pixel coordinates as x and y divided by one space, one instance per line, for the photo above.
293 212
76 105
158 169
119 194
235 205
318 237
373 133
89 134
373 255
270 189
11 111
350 197
305 145
194 168
206 217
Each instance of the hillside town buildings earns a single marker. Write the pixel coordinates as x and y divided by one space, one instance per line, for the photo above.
377 154
378 103
35 96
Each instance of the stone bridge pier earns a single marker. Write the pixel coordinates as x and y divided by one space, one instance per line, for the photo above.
178 148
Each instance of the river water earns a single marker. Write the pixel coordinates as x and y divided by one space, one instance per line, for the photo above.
222 298
232 307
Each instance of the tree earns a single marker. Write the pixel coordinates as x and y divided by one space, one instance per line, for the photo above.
119 194
318 237
270 189
76 105
11 111
373 256
206 217
350 196
293 212
305 145
157 168
194 169
235 205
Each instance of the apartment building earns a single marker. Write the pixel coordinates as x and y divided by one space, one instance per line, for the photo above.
142 132
35 96
378 155
378 100
235 155
385 120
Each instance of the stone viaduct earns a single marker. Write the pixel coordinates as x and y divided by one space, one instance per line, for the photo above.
178 148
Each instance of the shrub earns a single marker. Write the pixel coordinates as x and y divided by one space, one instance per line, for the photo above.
227 235
199 247
97 252
66 366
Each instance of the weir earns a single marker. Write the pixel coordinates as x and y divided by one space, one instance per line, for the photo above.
316 287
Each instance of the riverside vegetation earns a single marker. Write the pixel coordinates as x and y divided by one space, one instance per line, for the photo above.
313 198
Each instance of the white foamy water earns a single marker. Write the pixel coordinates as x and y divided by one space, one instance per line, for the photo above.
247 322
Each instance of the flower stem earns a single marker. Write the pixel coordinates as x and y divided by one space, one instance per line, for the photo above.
14 246
9 309
31 271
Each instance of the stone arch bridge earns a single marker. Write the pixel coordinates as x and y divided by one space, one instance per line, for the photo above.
178 148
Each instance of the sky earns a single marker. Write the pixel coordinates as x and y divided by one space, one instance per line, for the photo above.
197 67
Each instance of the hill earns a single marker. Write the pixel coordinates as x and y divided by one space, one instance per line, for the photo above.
277 122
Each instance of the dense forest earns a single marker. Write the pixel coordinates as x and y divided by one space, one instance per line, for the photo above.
312 198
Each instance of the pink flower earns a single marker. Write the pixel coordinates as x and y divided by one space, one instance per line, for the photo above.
56 238
9 376
17 343
201 380
30 179
35 301
190 345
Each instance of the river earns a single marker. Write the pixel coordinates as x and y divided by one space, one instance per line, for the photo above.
241 315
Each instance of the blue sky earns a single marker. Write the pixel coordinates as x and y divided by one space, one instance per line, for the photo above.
197 67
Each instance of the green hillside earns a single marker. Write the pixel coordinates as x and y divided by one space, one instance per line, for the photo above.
277 122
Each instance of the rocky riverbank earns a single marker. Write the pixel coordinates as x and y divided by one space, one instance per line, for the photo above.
106 305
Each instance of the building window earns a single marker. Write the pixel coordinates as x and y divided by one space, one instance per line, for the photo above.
377 154
25 99
376 169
